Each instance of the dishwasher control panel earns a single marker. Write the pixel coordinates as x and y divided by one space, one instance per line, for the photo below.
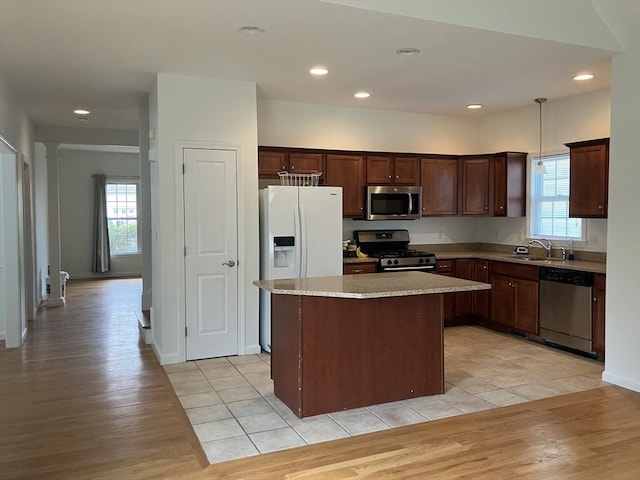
561 275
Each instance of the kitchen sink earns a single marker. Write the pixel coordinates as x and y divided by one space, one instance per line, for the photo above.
545 260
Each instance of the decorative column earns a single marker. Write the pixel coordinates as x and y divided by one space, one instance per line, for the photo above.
53 201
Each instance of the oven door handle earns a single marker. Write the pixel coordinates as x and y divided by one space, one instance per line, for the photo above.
392 269
410 204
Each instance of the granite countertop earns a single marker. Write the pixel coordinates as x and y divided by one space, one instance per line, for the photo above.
582 265
371 285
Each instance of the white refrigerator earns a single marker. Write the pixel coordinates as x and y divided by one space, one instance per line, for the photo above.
300 236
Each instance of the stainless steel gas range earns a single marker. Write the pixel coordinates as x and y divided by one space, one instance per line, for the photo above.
391 248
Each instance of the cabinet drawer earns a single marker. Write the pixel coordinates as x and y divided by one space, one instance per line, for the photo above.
445 266
526 272
356 268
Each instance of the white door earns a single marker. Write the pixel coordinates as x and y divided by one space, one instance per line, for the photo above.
211 252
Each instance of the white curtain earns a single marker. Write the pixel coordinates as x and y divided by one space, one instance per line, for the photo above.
101 250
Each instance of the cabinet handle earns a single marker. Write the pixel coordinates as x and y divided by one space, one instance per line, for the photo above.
397 176
501 207
283 167
357 270
599 207
293 167
486 208
595 299
484 267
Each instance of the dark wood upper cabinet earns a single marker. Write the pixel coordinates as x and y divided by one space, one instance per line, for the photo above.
306 162
439 180
510 184
599 293
589 178
379 170
348 172
270 163
406 170
475 194
387 170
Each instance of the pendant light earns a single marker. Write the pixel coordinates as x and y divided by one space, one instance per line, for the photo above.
540 168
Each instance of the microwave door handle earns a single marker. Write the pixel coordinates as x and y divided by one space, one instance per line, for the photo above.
410 204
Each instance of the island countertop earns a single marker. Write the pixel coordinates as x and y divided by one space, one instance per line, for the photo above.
371 285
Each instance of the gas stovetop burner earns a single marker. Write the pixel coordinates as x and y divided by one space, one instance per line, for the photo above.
391 248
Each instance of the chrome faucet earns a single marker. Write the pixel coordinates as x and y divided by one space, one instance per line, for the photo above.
547 248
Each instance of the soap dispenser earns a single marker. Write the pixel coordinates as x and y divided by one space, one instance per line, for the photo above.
570 253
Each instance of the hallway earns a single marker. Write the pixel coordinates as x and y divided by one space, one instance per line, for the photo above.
84 397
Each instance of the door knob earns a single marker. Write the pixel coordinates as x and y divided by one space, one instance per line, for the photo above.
230 263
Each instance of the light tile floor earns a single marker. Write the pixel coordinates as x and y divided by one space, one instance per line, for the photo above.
234 413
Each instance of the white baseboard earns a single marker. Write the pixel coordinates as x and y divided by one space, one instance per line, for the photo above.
165 359
146 335
146 299
87 276
252 349
631 384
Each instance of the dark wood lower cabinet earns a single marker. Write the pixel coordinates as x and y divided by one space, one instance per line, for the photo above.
481 298
514 296
331 354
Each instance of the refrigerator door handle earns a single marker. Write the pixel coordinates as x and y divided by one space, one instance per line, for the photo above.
303 242
298 239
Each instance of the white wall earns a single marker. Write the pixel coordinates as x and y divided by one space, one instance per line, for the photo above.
206 110
16 128
290 124
76 168
622 365
41 219
580 117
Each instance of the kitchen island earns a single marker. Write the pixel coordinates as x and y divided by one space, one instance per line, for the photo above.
341 342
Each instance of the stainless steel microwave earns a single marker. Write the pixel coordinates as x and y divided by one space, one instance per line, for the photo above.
393 203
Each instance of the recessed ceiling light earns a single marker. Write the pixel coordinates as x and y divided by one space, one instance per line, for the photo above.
251 30
81 111
318 70
408 51
474 106
362 95
584 76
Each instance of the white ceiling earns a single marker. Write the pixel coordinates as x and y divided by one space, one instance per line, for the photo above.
103 55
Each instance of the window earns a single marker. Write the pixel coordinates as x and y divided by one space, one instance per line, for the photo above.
550 202
122 216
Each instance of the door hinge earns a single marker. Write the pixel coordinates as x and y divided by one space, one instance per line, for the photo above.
185 250
183 169
185 331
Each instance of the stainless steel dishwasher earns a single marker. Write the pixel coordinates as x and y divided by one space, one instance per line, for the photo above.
565 308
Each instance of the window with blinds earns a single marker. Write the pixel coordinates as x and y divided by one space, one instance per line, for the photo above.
550 201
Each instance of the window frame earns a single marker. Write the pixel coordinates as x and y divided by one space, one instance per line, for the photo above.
535 199
128 181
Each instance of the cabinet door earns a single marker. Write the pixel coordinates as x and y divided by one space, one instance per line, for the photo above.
379 170
475 186
406 171
347 171
589 180
305 162
502 300
481 298
464 300
598 314
270 163
439 180
509 184
526 305
449 305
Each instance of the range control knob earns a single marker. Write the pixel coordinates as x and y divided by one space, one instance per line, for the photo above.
389 262
395 262
421 260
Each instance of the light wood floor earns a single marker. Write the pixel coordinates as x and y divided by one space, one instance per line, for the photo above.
85 399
